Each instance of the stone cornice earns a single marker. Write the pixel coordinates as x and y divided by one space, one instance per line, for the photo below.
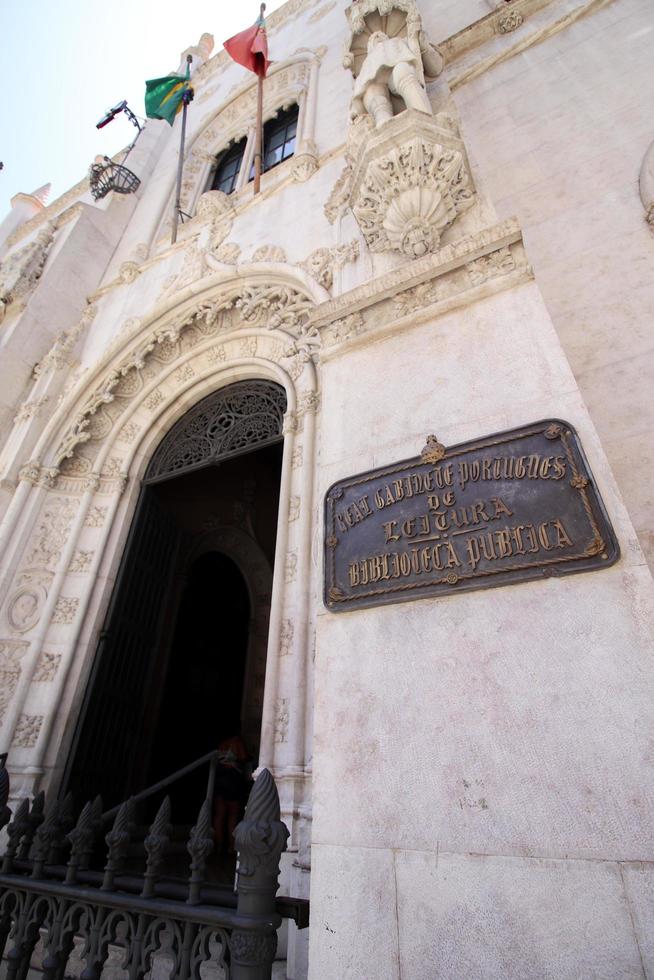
447 259
479 31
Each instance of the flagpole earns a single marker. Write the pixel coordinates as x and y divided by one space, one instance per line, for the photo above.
180 164
258 140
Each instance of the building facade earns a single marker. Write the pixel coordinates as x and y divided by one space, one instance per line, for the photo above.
453 240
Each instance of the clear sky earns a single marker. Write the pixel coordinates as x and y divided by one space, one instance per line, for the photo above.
67 62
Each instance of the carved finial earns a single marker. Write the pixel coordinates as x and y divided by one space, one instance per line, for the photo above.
261 836
155 845
117 840
34 820
45 837
200 846
433 451
15 831
5 812
42 193
81 839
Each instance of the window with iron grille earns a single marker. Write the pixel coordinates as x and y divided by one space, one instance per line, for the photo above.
228 168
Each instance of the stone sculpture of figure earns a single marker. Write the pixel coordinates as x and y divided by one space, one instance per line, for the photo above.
390 68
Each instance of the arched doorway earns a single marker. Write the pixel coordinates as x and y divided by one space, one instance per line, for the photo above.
181 657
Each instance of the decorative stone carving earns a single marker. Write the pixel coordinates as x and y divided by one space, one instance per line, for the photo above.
216 355
294 509
297 458
128 433
309 403
27 731
29 409
183 373
305 161
284 85
24 608
20 271
509 22
282 717
412 300
269 253
286 637
95 517
322 263
228 252
342 330
81 561
112 467
11 652
274 306
247 347
390 58
65 610
409 190
129 271
499 263
290 570
51 532
47 667
153 400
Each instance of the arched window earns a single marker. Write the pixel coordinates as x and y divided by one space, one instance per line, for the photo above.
228 166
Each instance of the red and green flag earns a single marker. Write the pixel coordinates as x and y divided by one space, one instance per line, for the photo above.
250 47
164 97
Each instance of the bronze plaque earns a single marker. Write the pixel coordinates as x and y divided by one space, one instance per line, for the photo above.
514 506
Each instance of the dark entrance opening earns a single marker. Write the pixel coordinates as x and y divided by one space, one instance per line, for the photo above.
181 658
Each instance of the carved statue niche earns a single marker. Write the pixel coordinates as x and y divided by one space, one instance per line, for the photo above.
390 58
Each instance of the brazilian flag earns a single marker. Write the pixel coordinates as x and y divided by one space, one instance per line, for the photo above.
164 96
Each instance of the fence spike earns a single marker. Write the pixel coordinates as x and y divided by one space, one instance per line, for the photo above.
5 812
260 840
200 846
34 820
155 845
45 836
81 839
117 840
15 831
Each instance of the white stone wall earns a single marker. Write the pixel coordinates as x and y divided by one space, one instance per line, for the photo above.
482 802
559 132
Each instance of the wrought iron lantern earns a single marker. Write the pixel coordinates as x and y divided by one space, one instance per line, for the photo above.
106 176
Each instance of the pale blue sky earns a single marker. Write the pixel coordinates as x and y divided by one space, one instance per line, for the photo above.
67 62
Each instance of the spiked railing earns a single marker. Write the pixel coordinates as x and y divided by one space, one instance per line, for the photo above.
91 895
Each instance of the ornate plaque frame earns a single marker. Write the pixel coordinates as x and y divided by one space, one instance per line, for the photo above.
511 507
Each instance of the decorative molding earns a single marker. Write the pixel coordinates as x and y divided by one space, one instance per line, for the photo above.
59 355
21 270
290 567
269 253
409 185
11 652
524 44
282 718
27 731
95 517
65 610
47 667
286 637
29 409
322 263
24 607
509 22
81 561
